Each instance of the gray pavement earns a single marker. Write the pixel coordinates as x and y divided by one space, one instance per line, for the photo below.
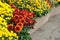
49 31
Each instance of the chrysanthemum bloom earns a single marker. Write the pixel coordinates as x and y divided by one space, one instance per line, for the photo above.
21 17
18 28
20 24
29 20
23 21
16 12
10 27
16 18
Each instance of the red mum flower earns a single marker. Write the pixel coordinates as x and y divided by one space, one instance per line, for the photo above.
29 20
30 14
10 27
20 17
17 28
24 16
20 12
16 12
16 17
20 24
12 19
24 12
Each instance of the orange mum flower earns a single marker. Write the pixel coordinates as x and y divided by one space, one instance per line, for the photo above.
21 17
18 28
16 17
20 24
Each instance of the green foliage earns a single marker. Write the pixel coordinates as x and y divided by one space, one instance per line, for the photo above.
24 35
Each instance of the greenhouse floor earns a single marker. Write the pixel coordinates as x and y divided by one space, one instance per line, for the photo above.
49 31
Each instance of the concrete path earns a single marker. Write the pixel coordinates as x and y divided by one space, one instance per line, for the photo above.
49 31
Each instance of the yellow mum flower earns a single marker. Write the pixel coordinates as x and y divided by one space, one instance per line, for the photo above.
3 21
37 2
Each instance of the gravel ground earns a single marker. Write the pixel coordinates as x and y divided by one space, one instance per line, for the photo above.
49 31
